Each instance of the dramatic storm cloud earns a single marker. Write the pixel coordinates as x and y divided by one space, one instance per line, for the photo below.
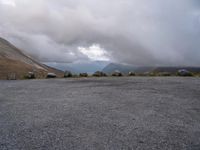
140 32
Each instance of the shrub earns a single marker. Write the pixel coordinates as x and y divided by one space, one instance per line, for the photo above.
67 74
164 74
99 74
83 75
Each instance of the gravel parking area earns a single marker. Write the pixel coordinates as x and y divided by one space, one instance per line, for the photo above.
127 113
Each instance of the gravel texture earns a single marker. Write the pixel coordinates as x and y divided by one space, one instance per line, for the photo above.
135 113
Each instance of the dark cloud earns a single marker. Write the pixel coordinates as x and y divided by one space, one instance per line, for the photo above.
137 32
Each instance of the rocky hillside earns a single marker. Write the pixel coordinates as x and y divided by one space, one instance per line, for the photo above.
14 62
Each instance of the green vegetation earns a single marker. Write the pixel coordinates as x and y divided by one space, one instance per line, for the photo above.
68 74
83 75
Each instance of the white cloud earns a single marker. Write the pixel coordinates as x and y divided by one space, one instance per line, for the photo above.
8 2
95 52
129 31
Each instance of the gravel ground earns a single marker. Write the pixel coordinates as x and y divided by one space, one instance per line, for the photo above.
139 113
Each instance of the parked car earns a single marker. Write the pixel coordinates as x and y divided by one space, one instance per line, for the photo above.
131 73
31 75
184 72
117 74
51 75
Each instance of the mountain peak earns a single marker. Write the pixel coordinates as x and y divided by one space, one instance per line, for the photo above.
110 68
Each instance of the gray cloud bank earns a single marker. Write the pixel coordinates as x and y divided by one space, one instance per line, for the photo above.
139 32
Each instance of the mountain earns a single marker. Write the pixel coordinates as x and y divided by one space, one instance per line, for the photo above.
14 61
144 69
173 70
110 68
80 67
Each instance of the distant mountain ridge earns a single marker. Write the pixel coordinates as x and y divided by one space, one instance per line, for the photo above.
109 69
79 67
175 69
14 61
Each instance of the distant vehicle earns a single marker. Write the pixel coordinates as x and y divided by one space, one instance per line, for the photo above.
83 75
131 73
99 74
184 72
117 73
67 74
51 75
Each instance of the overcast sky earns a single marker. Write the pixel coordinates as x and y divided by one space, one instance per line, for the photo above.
139 32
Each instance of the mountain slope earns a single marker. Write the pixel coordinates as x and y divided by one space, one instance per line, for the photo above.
110 68
14 61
